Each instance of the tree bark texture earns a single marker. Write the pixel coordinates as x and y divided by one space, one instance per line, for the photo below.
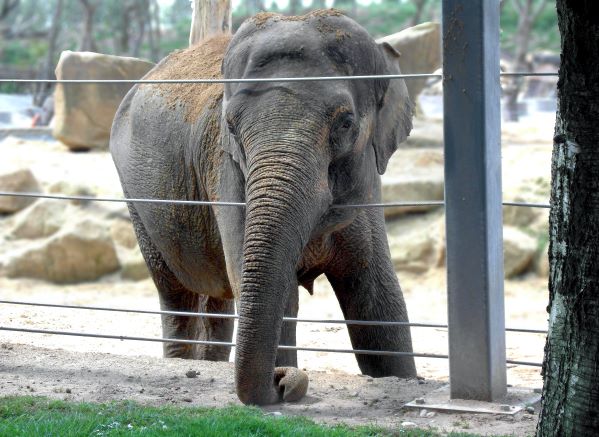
210 17
570 404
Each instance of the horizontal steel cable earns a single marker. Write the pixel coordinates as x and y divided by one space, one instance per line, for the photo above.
219 343
228 344
222 80
258 80
529 73
241 204
234 316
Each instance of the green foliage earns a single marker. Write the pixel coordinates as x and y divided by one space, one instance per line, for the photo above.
545 34
27 416
111 25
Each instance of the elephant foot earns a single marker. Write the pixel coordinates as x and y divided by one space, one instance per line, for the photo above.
292 383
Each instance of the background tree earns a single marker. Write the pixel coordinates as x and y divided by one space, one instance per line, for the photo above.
42 91
150 29
528 12
295 7
570 405
88 43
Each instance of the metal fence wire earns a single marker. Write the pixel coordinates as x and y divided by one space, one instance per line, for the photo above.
240 204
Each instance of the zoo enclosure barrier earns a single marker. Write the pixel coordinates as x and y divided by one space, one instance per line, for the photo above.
472 203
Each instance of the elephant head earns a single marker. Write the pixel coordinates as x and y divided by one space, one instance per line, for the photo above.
301 147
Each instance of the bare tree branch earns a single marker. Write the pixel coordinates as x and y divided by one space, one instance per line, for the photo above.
519 6
539 10
7 7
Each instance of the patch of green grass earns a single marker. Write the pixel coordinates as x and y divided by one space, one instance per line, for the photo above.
35 416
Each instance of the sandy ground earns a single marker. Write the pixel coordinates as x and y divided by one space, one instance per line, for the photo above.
103 370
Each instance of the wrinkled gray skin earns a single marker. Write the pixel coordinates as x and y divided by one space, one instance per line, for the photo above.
290 150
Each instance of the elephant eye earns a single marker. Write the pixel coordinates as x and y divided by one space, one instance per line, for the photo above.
343 133
346 120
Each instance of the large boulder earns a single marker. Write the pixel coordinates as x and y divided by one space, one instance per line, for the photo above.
83 251
420 48
17 181
84 112
40 220
133 265
413 175
519 250
416 243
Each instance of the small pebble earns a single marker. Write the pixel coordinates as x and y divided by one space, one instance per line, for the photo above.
187 400
191 374
408 424
275 414
423 413
354 394
530 410
419 401
68 390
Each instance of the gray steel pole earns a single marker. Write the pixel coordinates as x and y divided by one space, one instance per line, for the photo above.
472 127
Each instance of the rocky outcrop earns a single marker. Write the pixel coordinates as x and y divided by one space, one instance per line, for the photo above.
84 112
17 181
39 220
83 251
133 265
420 48
413 176
519 250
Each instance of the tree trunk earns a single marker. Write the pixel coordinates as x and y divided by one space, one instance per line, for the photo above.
294 7
88 44
210 17
47 72
149 17
156 52
527 14
7 6
140 14
417 17
570 405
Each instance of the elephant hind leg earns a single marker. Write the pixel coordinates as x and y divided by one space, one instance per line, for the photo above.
215 329
176 297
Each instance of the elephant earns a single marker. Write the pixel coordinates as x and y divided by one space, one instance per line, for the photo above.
291 152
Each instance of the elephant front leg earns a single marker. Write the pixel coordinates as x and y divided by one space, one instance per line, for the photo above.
367 289
288 358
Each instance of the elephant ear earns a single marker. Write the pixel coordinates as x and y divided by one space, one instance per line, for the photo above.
230 145
393 121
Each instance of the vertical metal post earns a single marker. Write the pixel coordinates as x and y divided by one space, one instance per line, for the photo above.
472 129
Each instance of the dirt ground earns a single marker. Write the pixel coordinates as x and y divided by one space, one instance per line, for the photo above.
102 370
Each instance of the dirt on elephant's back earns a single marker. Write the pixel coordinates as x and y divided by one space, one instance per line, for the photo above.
201 61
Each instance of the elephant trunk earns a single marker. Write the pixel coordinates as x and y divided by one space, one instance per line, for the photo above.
283 206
